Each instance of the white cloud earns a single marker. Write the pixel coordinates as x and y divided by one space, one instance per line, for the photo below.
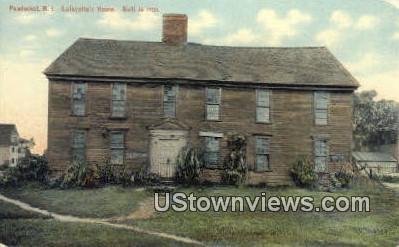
385 83
204 20
342 24
281 27
143 21
25 18
395 3
366 22
328 37
243 36
367 62
30 37
341 19
26 53
52 32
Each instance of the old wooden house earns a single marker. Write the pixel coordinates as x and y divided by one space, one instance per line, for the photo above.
137 103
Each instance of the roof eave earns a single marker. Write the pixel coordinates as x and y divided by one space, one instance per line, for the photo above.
56 76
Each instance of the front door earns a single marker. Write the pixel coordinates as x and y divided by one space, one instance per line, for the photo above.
165 146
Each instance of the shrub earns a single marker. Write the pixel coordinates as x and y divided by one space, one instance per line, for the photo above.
302 172
188 165
33 168
143 177
235 170
80 174
345 175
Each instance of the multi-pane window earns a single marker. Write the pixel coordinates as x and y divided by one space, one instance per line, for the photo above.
321 155
79 145
262 153
321 102
211 153
118 100
213 96
117 146
79 98
262 106
169 101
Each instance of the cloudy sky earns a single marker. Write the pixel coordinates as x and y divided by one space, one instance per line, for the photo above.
362 34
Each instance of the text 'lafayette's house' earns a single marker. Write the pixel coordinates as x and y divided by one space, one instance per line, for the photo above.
137 103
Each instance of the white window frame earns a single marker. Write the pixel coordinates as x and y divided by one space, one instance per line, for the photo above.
77 98
121 99
321 154
208 103
167 100
265 153
321 109
76 148
260 106
207 151
117 148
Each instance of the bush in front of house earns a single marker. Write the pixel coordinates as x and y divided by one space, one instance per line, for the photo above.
80 174
189 163
345 175
235 166
302 172
144 177
34 168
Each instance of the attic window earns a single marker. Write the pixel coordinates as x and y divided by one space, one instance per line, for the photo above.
321 102
79 98
169 101
118 100
213 96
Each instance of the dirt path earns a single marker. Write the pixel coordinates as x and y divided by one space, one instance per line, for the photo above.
68 218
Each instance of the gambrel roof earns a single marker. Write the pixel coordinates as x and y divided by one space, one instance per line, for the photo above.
298 66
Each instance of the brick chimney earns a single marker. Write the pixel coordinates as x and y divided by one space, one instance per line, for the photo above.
174 29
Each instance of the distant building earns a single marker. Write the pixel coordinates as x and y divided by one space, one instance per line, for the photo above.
376 162
12 147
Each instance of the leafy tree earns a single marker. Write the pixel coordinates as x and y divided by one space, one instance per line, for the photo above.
375 122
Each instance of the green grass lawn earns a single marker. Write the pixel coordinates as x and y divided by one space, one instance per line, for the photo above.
22 228
40 232
377 228
104 202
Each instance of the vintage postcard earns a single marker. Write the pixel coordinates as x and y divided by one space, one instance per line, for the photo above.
199 123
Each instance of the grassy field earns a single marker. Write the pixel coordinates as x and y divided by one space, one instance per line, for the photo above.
104 202
22 228
377 228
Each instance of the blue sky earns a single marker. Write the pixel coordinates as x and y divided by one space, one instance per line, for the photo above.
362 34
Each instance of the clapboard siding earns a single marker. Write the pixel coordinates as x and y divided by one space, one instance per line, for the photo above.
290 130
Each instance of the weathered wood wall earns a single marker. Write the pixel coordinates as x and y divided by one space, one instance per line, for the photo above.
291 128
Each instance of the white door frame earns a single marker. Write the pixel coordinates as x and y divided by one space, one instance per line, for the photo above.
177 139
